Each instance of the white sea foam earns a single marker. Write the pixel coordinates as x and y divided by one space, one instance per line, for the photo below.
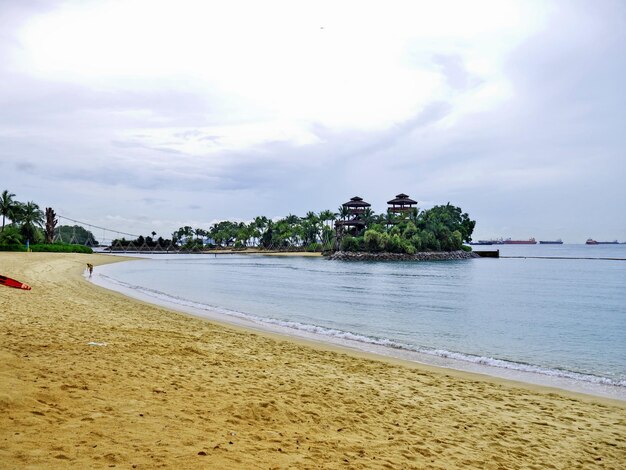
350 338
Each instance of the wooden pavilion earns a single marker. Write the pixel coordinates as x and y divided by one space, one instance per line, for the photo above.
401 206
351 219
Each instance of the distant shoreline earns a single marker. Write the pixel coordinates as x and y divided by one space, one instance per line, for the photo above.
422 256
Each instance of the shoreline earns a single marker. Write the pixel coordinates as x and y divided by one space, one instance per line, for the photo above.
387 256
91 378
451 362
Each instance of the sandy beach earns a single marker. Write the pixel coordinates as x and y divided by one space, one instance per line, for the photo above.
92 379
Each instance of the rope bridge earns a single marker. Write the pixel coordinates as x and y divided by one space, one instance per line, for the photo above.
77 232
111 240
74 238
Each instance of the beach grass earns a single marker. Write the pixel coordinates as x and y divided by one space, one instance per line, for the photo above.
92 379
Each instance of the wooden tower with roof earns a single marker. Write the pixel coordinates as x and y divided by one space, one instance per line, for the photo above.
401 206
351 217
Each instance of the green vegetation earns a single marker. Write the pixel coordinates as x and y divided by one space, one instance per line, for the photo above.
142 242
75 234
26 225
441 228
61 248
26 221
49 248
313 232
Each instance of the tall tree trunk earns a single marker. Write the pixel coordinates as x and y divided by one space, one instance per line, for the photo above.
51 223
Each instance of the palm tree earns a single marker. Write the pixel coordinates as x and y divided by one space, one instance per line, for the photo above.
7 205
327 216
390 219
343 212
30 217
199 233
260 226
368 216
414 215
312 227
51 223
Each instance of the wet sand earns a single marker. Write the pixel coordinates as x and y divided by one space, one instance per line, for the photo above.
92 379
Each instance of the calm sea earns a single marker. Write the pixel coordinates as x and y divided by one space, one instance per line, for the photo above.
560 319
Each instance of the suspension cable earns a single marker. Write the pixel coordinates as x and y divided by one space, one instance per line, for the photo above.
96 226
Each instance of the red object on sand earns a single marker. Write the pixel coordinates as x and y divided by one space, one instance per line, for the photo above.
7 281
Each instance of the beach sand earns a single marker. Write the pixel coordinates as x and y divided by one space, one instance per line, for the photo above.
92 379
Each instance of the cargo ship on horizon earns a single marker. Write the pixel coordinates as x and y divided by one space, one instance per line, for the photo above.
591 241
551 242
530 241
498 241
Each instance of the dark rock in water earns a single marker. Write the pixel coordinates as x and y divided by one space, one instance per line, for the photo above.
422 256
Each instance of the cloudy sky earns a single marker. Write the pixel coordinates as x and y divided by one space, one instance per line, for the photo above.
145 115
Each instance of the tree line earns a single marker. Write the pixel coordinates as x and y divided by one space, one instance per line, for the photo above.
25 219
25 222
441 228
313 232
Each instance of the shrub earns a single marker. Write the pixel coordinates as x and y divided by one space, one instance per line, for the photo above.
10 236
61 248
416 240
313 247
409 231
457 240
373 241
349 243
429 242
466 248
394 244
12 248
377 228
408 247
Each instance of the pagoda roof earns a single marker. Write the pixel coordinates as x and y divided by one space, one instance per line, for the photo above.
357 201
402 199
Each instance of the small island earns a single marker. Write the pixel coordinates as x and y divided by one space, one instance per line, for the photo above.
402 233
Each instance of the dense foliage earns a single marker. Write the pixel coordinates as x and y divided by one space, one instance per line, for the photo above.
26 221
61 248
313 232
75 234
441 228
49 247
142 242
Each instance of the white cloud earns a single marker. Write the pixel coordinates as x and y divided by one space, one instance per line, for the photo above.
201 110
341 64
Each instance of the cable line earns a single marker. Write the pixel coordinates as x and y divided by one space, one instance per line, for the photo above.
96 226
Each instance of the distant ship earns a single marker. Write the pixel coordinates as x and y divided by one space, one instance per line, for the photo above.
551 242
488 242
593 242
530 241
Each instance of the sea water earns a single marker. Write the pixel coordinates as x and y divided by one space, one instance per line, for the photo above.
560 319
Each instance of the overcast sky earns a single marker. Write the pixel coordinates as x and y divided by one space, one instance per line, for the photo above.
146 115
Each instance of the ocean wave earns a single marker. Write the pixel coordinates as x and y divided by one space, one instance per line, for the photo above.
332 333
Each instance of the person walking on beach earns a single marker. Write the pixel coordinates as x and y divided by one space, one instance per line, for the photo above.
90 269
